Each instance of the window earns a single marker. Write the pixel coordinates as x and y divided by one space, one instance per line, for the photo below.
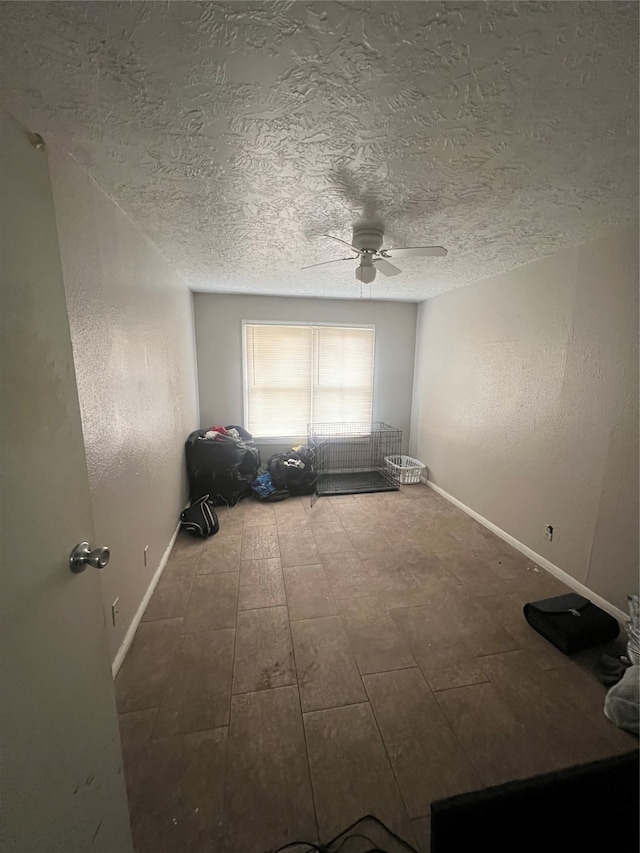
295 375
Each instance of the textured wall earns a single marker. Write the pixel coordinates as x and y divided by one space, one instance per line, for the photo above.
236 134
131 322
218 324
526 406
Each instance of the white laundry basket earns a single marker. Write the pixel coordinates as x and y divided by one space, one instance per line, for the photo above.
404 469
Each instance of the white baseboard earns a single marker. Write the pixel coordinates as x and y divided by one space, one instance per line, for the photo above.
128 637
554 570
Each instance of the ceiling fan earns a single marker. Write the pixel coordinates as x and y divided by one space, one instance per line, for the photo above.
367 244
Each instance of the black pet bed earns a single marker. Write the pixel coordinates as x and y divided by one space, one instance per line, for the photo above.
591 807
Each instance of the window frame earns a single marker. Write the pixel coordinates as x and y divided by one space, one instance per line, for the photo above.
278 439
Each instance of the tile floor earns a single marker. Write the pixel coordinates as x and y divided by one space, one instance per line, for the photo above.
307 666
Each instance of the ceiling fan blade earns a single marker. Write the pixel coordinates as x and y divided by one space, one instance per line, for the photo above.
344 243
417 252
385 267
322 263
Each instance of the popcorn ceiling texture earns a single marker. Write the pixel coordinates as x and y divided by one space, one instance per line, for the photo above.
236 134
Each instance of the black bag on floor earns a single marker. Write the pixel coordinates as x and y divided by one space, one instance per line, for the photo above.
222 468
293 470
571 622
200 519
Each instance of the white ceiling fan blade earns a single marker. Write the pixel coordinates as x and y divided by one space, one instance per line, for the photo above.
417 252
322 263
385 267
344 243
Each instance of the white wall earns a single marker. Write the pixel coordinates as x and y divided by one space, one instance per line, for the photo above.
526 406
218 325
131 322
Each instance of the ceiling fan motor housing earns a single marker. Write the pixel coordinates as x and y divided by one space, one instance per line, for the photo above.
368 239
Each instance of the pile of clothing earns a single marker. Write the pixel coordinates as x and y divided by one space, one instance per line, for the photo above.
621 674
222 462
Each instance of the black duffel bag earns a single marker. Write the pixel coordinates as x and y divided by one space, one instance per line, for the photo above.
200 519
571 622
223 467
293 470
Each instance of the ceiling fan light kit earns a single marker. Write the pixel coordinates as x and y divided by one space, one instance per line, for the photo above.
371 257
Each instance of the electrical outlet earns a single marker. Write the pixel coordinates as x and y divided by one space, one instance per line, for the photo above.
114 611
145 553
548 532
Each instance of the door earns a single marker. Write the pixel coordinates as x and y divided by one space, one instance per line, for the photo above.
62 782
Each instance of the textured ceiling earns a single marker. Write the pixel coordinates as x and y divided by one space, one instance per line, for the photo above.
236 134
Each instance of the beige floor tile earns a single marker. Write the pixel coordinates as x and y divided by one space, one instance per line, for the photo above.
347 575
356 516
170 597
136 729
143 676
509 563
261 584
392 604
179 807
507 611
497 744
322 512
290 515
409 578
422 831
445 640
373 635
369 539
534 583
350 771
225 541
268 799
257 514
308 592
543 705
220 557
298 547
427 758
212 604
331 538
472 570
263 653
582 688
343 503
198 691
327 671
186 547
260 543
231 518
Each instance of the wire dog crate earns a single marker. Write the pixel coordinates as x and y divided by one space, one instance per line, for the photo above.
349 458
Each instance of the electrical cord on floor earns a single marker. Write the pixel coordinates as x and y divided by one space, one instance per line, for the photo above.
326 848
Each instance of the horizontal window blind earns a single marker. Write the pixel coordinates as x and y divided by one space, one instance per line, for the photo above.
296 375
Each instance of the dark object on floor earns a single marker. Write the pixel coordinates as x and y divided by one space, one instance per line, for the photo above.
611 668
589 807
200 519
571 622
293 471
359 832
222 467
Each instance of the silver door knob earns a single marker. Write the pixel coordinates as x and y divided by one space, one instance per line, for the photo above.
82 556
